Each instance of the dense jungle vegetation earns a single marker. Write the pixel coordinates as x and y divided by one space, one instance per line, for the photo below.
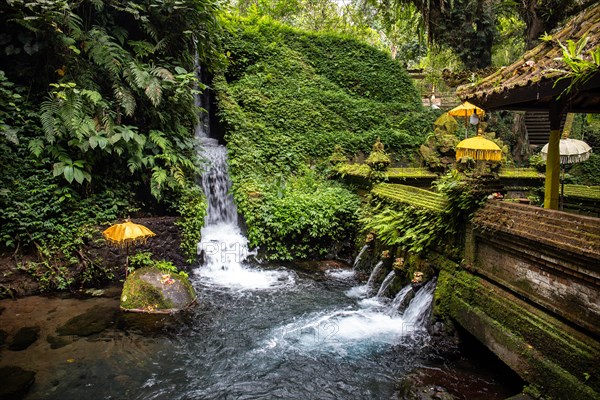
286 99
97 108
96 114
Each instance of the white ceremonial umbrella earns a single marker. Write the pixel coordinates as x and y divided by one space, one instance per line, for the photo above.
571 151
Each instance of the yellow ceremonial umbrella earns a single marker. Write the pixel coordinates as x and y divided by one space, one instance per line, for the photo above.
125 235
466 109
469 112
478 148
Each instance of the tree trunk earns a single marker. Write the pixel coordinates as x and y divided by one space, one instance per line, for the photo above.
521 151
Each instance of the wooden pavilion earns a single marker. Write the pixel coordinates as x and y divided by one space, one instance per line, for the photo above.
539 81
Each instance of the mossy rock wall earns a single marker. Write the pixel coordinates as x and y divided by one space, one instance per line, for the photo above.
541 349
152 290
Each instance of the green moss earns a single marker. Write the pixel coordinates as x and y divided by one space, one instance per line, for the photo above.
557 357
529 173
138 294
582 192
410 195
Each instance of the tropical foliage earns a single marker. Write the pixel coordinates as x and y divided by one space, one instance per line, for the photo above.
96 115
286 99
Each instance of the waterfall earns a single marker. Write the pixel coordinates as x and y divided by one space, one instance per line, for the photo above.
386 283
223 245
216 186
374 275
417 312
398 305
202 103
358 258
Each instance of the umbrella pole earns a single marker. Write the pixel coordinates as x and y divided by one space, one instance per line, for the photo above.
562 188
126 259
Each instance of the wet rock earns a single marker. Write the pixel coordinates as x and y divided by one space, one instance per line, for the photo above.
94 320
15 382
154 291
57 342
24 338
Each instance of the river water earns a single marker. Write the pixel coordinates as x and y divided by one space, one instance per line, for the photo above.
259 332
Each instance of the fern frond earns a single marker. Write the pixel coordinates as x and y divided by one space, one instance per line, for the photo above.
125 99
162 73
154 91
104 52
158 138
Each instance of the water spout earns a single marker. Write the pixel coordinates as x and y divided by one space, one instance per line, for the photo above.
358 258
398 305
374 275
419 309
386 283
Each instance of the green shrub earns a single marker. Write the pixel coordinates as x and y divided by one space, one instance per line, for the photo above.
192 210
302 216
286 99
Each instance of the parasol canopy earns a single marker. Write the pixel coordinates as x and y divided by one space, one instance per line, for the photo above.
127 233
571 151
466 109
478 148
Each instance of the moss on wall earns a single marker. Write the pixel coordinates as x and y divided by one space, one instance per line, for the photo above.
543 350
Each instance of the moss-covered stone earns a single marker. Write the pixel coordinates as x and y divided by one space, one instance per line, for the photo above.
152 290
378 160
543 350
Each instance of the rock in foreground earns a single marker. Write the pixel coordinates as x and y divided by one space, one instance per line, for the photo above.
151 290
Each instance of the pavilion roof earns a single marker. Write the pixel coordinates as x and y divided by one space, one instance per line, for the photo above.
531 82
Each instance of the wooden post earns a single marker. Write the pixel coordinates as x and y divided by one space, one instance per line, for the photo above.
553 159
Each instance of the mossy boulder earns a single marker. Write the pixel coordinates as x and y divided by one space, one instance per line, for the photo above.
151 290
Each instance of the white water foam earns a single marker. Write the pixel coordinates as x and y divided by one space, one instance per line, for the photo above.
225 250
342 274
349 329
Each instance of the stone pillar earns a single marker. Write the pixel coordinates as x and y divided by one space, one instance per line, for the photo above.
553 159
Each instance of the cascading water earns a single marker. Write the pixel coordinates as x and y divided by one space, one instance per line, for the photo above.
386 284
223 245
401 300
374 275
359 257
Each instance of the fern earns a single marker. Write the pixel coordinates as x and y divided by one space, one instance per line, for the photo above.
157 137
125 99
104 51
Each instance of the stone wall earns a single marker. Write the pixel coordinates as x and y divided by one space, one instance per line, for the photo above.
550 257
529 289
542 349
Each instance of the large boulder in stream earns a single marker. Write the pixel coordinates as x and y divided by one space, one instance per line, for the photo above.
151 290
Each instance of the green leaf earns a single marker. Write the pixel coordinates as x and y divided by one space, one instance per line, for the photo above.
78 175
69 173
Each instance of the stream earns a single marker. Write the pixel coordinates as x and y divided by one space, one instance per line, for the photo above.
260 331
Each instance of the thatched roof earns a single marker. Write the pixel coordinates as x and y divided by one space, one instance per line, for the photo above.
529 83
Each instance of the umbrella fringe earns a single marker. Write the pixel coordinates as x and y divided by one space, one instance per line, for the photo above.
121 244
574 158
487 155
